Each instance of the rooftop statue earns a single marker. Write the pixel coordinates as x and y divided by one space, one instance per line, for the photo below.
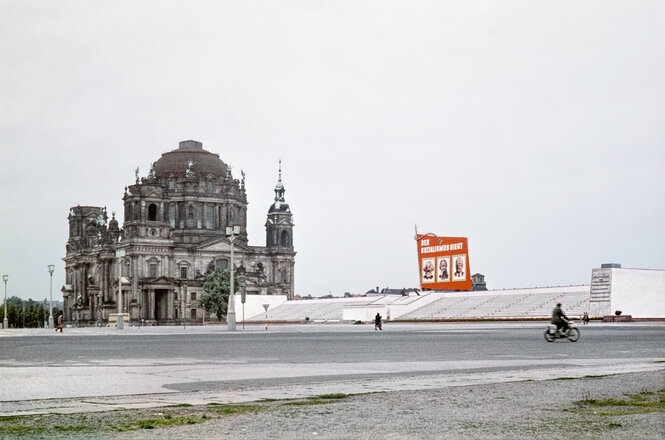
152 176
189 172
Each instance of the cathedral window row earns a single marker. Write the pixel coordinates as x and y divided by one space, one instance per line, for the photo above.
151 269
183 215
209 187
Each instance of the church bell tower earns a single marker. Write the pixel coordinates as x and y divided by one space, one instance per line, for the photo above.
279 227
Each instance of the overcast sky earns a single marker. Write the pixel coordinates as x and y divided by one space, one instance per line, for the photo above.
535 129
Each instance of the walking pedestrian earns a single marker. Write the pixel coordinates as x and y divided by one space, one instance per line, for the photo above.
377 322
59 327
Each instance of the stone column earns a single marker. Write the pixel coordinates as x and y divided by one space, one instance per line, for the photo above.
79 285
151 301
169 304
102 282
135 276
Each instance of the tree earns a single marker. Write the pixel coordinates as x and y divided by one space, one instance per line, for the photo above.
216 292
22 313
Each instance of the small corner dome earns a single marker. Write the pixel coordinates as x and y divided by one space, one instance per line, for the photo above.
279 207
113 224
175 162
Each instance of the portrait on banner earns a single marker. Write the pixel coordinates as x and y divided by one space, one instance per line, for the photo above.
443 269
459 269
428 270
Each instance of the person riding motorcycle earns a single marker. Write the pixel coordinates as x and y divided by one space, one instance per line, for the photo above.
559 319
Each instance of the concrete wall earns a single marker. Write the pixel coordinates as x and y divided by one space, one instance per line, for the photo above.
638 292
254 305
365 313
389 306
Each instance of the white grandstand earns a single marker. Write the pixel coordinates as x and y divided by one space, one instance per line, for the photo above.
329 309
504 304
535 303
638 293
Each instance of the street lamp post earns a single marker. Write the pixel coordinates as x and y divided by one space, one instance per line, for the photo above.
120 321
232 232
5 322
50 303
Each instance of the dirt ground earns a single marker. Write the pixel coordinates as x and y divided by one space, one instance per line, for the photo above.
625 406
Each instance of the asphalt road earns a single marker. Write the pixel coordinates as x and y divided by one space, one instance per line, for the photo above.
442 343
41 371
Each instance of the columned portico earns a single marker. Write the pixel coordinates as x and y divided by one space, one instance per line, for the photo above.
158 300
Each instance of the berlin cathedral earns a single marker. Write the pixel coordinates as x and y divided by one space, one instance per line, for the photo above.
174 234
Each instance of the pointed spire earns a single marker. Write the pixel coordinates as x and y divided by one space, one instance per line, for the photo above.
279 187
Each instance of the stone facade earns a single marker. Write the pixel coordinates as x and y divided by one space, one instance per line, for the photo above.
173 235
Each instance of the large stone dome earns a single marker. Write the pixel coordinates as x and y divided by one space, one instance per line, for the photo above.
175 162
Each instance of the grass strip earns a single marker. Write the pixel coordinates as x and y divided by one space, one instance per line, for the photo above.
118 420
640 403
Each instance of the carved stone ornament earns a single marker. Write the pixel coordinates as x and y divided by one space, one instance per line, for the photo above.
152 176
189 172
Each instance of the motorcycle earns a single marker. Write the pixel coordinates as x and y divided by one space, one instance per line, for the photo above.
572 333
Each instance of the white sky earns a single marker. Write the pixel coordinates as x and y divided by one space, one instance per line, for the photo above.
536 129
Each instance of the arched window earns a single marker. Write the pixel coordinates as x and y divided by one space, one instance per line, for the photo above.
284 239
152 212
172 215
222 264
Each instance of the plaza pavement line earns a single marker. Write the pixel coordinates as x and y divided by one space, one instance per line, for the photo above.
391 378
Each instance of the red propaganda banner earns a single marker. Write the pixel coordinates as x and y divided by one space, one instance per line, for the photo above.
443 262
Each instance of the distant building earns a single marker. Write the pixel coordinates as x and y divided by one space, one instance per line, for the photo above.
388 291
478 282
173 235
639 293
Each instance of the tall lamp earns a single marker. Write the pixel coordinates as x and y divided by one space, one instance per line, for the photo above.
5 322
232 232
120 321
50 303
